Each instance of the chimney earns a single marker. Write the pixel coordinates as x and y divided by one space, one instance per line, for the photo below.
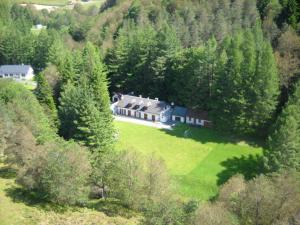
140 96
122 97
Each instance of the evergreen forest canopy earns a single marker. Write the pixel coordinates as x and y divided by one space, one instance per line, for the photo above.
237 59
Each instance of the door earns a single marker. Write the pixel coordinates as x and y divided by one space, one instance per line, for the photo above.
153 118
129 113
145 116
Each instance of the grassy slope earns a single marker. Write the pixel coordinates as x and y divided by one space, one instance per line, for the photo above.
198 162
16 210
60 2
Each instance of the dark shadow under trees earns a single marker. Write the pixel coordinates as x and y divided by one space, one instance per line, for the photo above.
248 166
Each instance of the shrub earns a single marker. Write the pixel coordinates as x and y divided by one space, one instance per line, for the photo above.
65 175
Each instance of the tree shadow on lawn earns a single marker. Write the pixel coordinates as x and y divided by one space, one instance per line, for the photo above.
111 207
33 199
209 135
248 166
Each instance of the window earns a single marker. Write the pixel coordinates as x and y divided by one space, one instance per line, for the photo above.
23 74
11 75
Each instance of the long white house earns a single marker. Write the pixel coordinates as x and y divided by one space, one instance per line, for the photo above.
141 108
157 111
17 72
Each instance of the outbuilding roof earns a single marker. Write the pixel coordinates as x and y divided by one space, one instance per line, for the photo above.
141 104
15 69
179 111
197 114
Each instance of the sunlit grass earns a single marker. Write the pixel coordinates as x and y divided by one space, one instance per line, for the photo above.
198 159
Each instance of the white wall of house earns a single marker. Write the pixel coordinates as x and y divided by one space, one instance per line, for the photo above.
24 76
190 120
30 74
181 118
199 122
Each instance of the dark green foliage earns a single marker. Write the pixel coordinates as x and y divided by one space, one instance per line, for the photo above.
247 87
17 47
84 108
107 4
290 12
44 94
284 143
138 62
192 72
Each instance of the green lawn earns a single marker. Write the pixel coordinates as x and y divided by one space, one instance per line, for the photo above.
46 2
198 159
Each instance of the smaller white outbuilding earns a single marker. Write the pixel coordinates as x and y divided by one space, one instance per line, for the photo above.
17 72
198 118
179 114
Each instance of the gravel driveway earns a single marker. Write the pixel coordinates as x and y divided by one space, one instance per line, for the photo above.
158 125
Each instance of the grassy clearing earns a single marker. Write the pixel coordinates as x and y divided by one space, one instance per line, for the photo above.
20 208
45 2
96 3
198 159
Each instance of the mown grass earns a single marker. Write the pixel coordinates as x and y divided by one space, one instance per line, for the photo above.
198 159
18 207
45 2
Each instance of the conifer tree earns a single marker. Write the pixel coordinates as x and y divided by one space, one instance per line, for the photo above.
283 151
84 105
95 72
44 94
247 86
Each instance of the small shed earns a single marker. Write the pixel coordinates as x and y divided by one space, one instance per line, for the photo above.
179 114
198 117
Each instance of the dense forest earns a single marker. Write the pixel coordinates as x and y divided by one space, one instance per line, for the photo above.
237 59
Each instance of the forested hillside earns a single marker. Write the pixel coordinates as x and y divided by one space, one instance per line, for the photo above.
239 60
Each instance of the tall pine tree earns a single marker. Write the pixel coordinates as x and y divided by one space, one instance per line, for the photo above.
283 151
247 86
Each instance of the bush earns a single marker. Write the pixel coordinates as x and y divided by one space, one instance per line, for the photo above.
66 174
20 107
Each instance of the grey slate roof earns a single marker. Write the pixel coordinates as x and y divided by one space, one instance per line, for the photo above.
179 111
14 69
141 104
